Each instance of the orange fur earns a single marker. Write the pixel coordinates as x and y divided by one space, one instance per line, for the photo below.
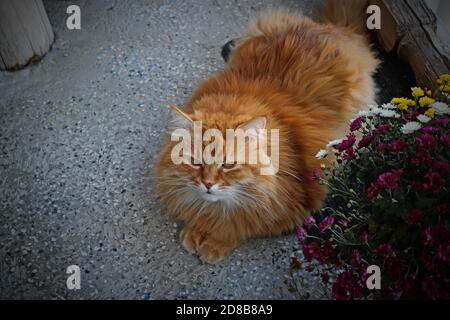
307 79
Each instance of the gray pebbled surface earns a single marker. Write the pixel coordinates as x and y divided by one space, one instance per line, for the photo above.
78 137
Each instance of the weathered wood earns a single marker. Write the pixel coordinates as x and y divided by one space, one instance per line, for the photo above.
25 33
408 28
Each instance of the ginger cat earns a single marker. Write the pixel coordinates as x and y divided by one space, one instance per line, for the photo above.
305 78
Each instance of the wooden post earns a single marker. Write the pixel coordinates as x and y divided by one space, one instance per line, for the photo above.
408 28
25 33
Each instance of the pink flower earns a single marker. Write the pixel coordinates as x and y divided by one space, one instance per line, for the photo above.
426 141
309 222
315 175
356 124
413 217
311 251
325 223
365 141
301 235
347 143
445 139
346 287
396 146
383 128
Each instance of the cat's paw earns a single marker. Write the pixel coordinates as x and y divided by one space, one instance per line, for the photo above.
212 250
191 239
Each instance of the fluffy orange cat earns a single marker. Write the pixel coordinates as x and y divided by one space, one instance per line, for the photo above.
305 78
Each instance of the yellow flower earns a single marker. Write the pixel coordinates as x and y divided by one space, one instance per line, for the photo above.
426 101
410 103
417 92
398 100
402 106
445 88
445 78
429 93
430 113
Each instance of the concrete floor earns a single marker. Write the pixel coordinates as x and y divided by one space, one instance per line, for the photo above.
79 133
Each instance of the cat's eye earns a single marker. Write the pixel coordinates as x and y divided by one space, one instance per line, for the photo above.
229 166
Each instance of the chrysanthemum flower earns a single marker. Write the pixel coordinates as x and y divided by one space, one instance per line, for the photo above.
410 127
430 113
426 101
417 92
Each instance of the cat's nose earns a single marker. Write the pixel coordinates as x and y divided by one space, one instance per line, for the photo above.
208 184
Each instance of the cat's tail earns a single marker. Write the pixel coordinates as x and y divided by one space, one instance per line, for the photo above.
349 14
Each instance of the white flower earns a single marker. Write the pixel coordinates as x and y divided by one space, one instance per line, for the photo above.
388 106
376 110
423 119
441 108
334 143
365 113
389 114
410 127
321 154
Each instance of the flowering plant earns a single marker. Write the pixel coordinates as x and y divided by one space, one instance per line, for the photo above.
391 206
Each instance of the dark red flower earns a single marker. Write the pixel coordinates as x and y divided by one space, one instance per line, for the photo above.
325 277
441 167
365 141
388 180
355 258
442 122
311 251
380 147
396 266
426 141
421 157
384 249
444 252
349 154
433 182
383 128
346 287
430 130
373 190
356 124
433 289
347 143
329 250
412 116
445 139
365 237
325 223
396 146
413 217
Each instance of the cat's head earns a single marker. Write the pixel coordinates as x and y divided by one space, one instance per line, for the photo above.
231 175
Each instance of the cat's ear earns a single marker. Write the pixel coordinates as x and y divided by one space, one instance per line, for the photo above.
256 124
180 119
